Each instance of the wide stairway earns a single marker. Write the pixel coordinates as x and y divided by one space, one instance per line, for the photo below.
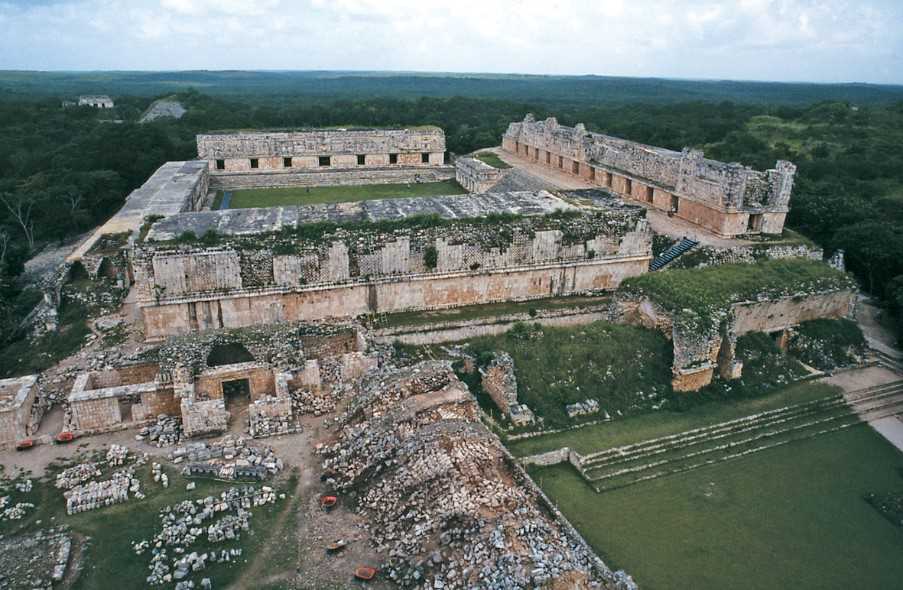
672 253
677 453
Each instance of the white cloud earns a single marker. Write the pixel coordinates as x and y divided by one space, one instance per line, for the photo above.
763 39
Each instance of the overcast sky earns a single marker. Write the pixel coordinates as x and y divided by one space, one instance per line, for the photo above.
818 40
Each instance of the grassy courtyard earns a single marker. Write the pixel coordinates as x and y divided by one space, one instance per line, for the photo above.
793 516
275 197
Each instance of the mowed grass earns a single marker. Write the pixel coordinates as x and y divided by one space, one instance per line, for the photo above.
790 517
275 197
664 422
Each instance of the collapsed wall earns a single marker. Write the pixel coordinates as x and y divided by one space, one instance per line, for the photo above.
728 199
317 157
260 266
705 311
443 499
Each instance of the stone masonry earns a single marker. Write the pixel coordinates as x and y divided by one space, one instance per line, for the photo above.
264 270
476 176
16 398
260 158
726 199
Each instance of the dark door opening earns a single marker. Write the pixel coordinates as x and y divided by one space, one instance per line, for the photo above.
755 223
237 397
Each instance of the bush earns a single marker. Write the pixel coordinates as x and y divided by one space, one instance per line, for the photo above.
828 344
430 257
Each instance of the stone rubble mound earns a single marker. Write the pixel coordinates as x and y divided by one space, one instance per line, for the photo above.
188 522
166 432
229 458
14 512
76 475
441 497
35 560
99 494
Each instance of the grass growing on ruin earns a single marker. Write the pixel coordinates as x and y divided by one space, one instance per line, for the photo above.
790 515
486 312
664 422
707 290
275 197
492 160
625 367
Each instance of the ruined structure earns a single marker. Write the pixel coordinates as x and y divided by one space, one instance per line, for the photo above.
476 176
443 498
16 398
98 101
726 199
344 260
210 381
500 382
325 157
705 333
174 187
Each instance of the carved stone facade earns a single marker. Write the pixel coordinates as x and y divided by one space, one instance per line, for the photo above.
260 158
259 273
726 199
98 101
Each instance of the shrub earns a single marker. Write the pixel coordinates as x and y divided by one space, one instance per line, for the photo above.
430 257
827 344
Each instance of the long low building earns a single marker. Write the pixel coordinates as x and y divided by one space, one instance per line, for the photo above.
725 199
324 157
236 268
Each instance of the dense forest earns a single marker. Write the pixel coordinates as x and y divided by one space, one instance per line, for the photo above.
64 170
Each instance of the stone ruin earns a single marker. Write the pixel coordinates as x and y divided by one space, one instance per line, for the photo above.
500 382
725 199
476 176
441 497
17 396
324 157
265 268
37 560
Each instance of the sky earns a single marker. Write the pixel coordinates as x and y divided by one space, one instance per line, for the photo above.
782 40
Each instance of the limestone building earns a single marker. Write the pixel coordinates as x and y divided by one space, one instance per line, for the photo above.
325 156
726 199
347 259
98 101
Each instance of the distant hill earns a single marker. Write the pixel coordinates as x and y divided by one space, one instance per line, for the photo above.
538 89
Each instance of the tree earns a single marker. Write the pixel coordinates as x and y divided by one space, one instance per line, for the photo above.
20 208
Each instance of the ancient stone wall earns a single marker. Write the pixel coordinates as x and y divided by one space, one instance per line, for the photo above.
727 199
17 396
248 280
209 384
95 414
261 152
701 348
498 380
476 176
329 177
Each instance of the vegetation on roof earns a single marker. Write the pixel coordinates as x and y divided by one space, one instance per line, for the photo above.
708 291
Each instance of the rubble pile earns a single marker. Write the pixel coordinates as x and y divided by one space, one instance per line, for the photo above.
585 408
23 487
317 403
440 496
99 494
35 560
166 432
116 455
76 475
15 512
271 416
229 458
188 522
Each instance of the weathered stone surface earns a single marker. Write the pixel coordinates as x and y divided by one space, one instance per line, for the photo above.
727 199
17 396
476 176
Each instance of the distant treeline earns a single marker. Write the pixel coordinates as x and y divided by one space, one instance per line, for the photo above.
66 170
557 90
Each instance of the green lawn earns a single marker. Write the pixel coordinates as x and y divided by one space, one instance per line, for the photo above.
790 517
274 197
664 422
493 160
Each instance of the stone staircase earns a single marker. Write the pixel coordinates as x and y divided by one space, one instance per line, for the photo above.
630 464
672 253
